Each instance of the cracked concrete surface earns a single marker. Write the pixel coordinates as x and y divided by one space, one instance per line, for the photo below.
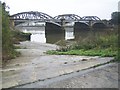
34 65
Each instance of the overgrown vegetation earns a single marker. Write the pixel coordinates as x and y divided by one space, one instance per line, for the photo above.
9 37
8 51
18 36
103 43
91 52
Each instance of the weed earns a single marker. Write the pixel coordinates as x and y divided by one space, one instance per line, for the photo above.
103 44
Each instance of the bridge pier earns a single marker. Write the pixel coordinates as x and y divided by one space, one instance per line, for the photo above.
62 22
90 24
54 32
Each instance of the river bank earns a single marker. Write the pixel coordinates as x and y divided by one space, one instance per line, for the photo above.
35 65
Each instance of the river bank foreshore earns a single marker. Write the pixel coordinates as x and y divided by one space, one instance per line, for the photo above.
35 65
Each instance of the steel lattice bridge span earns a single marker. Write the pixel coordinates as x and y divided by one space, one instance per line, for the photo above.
38 19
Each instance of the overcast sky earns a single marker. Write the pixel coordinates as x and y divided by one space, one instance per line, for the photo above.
100 8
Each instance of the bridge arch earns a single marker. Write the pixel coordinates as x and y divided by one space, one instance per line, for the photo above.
31 23
99 25
39 23
94 21
32 15
81 26
68 17
91 18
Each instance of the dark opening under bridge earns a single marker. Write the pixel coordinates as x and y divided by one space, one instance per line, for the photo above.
33 18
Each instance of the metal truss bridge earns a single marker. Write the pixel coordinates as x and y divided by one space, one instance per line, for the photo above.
33 18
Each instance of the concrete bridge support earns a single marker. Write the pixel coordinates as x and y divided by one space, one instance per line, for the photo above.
81 30
99 25
81 26
54 32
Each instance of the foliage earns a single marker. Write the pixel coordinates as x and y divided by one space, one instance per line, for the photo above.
91 52
98 40
18 36
8 51
103 43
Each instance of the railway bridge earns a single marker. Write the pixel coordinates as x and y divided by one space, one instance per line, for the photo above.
39 19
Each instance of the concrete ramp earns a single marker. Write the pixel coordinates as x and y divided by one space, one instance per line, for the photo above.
34 65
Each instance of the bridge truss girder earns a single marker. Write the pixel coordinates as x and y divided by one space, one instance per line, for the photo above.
68 17
31 16
91 18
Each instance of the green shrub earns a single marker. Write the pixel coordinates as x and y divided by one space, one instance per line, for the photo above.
8 51
103 44
18 36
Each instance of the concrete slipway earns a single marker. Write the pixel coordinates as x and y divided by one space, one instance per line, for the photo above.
34 65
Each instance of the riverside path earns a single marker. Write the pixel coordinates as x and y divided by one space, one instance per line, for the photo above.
33 68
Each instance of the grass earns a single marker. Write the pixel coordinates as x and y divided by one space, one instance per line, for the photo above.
104 44
9 51
91 52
